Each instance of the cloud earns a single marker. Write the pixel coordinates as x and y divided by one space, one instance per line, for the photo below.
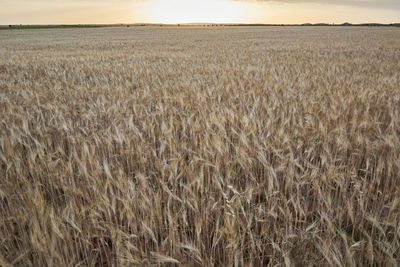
361 3
387 4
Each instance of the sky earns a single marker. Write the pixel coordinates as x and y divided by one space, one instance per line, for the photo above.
186 11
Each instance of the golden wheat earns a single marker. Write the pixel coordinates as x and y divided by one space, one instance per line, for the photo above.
200 146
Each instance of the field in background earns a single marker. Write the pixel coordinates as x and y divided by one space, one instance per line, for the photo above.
200 146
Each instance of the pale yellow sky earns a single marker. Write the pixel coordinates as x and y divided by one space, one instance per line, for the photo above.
182 11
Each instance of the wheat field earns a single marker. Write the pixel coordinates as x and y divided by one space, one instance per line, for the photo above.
213 146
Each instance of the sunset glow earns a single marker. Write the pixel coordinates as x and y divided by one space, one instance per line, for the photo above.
190 11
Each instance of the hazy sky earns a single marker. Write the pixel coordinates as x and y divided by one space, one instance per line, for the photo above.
180 11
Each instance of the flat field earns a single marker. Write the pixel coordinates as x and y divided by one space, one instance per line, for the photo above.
237 146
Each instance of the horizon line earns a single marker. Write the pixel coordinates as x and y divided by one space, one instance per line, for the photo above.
203 23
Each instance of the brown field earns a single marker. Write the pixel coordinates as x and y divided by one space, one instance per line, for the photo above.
209 146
